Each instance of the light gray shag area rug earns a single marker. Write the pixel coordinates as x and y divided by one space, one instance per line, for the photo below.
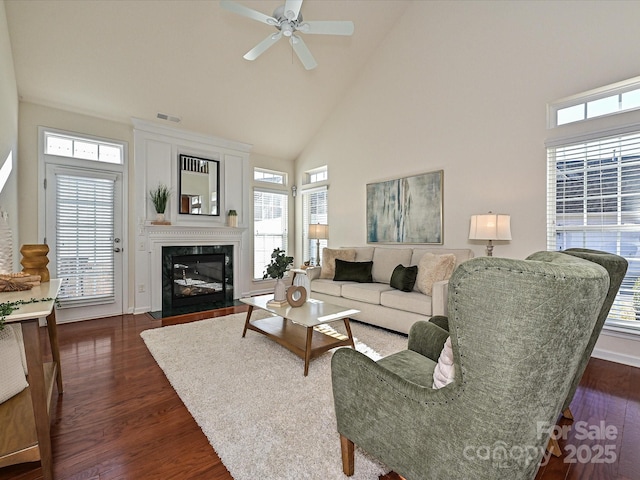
265 419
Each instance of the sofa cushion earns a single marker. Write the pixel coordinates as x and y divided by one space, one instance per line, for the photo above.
326 286
364 292
385 260
404 278
434 268
364 254
329 256
353 271
414 302
462 254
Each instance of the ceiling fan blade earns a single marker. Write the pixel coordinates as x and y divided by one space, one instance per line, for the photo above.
292 9
303 52
247 12
327 27
262 47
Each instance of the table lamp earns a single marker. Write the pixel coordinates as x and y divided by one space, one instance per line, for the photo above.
319 232
490 226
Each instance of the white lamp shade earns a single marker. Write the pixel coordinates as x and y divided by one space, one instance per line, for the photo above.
490 226
319 231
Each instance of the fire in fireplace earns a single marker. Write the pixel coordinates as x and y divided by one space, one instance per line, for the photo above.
197 278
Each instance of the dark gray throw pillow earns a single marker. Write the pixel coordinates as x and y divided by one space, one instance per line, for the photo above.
404 278
353 271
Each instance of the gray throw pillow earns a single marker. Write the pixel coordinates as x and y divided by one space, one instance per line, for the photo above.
404 278
353 271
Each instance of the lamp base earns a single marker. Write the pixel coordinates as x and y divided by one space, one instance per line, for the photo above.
318 252
489 249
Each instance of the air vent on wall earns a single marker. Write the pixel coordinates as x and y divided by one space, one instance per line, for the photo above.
169 118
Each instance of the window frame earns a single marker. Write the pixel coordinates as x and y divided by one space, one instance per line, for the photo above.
309 244
588 133
585 98
269 188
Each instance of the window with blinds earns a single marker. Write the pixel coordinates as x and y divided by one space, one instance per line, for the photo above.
594 202
270 225
84 239
314 210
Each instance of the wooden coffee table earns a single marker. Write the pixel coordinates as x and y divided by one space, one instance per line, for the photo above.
303 329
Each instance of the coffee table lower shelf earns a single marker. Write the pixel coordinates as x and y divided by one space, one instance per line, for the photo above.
305 342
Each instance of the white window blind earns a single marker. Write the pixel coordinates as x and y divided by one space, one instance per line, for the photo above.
314 210
270 224
594 202
84 239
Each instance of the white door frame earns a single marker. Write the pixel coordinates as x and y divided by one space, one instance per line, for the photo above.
67 314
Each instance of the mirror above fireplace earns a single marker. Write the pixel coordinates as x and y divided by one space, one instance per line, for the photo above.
199 186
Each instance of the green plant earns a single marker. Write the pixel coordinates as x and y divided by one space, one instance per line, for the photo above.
279 264
7 308
160 196
232 213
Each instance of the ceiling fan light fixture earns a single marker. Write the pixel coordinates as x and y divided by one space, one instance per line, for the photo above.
286 29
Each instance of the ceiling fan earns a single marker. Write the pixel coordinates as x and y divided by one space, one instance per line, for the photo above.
288 21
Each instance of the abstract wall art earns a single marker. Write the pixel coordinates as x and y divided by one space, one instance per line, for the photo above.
406 210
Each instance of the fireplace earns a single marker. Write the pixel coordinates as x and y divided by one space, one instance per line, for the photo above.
196 278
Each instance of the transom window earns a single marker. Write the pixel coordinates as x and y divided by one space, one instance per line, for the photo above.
617 98
82 148
268 176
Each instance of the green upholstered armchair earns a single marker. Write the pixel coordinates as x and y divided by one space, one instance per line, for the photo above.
616 266
509 325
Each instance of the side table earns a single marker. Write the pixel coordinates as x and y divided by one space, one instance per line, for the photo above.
24 419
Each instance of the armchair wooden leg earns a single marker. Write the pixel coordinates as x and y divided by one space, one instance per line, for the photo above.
347 448
566 413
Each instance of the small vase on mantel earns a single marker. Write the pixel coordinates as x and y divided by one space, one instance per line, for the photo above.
232 219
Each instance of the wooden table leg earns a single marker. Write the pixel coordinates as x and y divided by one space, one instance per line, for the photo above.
246 322
307 350
38 394
52 328
347 325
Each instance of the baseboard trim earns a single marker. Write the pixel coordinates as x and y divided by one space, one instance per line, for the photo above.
616 357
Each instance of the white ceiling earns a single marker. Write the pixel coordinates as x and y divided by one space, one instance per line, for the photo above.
119 59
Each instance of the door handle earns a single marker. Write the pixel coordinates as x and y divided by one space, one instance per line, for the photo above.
116 250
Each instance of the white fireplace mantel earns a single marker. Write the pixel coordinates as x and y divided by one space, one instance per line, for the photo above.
175 236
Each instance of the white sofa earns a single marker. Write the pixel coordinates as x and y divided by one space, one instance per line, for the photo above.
378 302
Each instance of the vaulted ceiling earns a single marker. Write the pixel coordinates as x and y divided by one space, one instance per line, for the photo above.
119 59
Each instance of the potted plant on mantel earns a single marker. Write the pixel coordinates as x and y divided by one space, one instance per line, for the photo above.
276 269
159 197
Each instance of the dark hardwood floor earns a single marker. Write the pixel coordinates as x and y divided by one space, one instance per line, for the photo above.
119 418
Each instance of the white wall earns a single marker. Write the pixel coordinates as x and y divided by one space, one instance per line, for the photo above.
463 87
8 136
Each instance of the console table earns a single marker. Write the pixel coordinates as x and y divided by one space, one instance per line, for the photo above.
24 418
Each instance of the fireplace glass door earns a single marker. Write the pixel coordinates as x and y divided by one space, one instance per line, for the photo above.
197 278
